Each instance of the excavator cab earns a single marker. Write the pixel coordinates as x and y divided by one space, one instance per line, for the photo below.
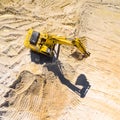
34 38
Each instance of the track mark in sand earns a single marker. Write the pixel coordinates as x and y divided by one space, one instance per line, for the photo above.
6 27
9 10
36 95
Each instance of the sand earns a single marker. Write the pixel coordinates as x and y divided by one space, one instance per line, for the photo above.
30 91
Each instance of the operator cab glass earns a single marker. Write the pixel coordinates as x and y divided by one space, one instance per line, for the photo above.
34 38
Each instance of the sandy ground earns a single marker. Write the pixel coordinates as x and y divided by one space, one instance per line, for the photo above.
30 91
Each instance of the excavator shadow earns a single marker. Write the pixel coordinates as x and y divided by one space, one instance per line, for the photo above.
39 58
54 65
81 80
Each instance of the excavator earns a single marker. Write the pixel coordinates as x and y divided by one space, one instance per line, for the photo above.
44 45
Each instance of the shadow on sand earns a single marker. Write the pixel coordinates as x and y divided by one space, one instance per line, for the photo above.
56 69
81 80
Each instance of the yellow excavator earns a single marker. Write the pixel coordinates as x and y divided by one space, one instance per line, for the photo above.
43 46
45 43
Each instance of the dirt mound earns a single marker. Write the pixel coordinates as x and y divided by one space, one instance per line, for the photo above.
33 97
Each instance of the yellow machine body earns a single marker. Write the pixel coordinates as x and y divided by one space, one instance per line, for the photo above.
45 43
